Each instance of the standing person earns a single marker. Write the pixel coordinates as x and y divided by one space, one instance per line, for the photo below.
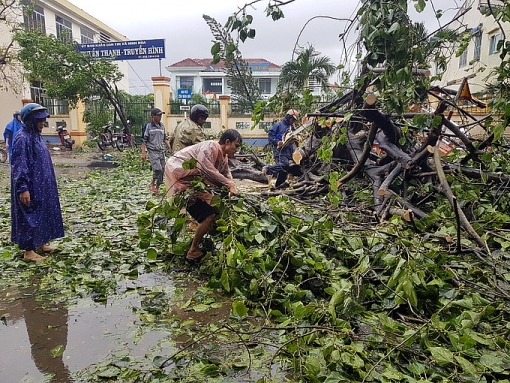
282 154
154 142
10 131
36 217
189 132
212 166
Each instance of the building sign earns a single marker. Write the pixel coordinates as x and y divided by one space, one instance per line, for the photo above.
184 94
126 50
259 67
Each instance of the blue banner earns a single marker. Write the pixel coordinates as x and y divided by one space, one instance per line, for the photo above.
126 50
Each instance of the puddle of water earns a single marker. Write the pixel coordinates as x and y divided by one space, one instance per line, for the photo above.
44 341
42 338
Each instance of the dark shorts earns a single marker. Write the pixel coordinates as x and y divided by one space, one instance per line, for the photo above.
200 210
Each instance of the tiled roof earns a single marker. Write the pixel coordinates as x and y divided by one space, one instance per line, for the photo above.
188 62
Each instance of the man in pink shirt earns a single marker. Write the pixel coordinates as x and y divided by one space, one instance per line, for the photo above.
212 167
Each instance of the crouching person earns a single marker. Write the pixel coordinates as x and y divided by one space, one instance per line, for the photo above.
212 166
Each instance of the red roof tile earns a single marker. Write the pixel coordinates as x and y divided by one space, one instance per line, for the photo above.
188 62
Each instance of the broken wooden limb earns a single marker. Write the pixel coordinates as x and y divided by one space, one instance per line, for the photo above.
383 189
445 189
414 71
360 162
408 206
393 150
465 140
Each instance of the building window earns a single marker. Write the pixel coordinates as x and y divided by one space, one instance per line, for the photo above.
34 18
439 68
265 85
54 106
242 125
478 46
213 85
463 59
87 36
64 29
186 82
493 43
104 38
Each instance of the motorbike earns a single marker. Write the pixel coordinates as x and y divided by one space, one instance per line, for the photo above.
125 139
64 136
107 138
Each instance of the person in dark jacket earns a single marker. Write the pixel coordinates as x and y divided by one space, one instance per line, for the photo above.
10 132
36 217
282 154
154 143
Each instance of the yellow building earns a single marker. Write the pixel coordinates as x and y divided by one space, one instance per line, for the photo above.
60 18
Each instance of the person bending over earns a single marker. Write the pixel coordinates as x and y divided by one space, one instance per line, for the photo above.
212 166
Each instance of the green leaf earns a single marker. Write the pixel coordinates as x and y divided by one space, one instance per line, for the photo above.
420 6
239 309
215 49
152 253
224 279
442 355
468 367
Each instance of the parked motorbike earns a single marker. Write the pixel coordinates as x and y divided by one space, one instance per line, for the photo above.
107 138
125 139
64 136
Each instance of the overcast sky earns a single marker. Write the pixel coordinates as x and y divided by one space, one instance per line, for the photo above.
180 23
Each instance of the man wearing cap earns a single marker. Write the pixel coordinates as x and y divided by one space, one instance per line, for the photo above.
10 131
154 143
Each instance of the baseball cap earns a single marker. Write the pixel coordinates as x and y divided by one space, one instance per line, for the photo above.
39 115
156 112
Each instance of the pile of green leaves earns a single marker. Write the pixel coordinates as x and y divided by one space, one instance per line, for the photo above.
350 299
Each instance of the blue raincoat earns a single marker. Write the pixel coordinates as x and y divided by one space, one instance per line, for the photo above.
10 132
32 170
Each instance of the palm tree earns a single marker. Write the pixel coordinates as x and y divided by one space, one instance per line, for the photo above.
308 65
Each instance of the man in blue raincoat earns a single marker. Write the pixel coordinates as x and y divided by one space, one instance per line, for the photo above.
36 217
10 131
282 154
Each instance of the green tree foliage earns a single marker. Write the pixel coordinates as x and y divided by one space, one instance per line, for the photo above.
67 73
309 65
9 66
244 87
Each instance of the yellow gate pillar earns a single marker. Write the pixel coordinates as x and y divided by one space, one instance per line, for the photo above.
224 104
161 87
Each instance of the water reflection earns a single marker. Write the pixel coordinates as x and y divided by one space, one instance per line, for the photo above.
34 337
44 341
47 333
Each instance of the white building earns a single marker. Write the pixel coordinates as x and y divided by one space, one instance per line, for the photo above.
207 79
482 53
62 19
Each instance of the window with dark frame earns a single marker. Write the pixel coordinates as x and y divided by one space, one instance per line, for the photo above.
186 82
33 17
478 46
55 106
242 125
87 36
493 43
213 85
265 85
64 29
463 59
